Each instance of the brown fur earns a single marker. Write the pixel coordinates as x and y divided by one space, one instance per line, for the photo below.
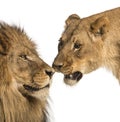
24 78
89 43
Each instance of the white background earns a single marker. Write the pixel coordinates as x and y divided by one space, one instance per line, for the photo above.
96 98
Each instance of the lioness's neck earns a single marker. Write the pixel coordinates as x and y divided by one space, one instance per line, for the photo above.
111 57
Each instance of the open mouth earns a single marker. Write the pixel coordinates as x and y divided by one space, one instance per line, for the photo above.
32 89
74 76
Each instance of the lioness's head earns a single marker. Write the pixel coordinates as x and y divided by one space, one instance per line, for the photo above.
20 65
80 47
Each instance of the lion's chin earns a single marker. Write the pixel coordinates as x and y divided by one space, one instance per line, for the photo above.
34 89
72 79
40 93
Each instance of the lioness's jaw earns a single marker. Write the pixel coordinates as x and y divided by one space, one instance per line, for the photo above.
73 78
70 82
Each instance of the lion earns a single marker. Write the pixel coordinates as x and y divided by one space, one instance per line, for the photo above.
24 78
89 43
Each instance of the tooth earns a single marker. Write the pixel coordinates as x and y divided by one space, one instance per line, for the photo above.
70 76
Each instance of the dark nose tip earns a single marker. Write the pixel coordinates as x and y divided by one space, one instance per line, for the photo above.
49 73
58 67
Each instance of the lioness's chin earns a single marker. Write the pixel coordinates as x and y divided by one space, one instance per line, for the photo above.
70 82
73 78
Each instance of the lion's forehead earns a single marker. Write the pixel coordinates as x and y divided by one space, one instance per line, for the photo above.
15 35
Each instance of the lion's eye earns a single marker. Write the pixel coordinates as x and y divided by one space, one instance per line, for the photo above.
77 45
23 57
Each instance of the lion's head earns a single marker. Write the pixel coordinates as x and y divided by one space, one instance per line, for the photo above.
80 47
20 65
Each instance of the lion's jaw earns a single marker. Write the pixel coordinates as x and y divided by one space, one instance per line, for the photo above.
33 89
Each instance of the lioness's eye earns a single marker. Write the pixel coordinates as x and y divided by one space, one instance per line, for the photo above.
77 45
60 45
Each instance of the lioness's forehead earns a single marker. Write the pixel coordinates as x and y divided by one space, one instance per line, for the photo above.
76 31
69 30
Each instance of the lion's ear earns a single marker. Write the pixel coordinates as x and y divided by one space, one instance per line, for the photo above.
100 26
72 18
4 46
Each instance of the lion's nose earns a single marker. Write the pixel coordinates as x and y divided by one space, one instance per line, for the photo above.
49 73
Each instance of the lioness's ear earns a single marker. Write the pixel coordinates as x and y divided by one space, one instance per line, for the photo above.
100 26
72 18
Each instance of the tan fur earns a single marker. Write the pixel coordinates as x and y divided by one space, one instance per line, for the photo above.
89 43
24 78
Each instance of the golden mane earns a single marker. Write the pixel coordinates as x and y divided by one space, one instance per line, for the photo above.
24 78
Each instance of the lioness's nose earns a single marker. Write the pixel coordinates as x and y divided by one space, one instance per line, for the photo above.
58 62
49 73
57 66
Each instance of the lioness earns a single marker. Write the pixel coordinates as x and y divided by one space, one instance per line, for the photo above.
24 78
89 43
